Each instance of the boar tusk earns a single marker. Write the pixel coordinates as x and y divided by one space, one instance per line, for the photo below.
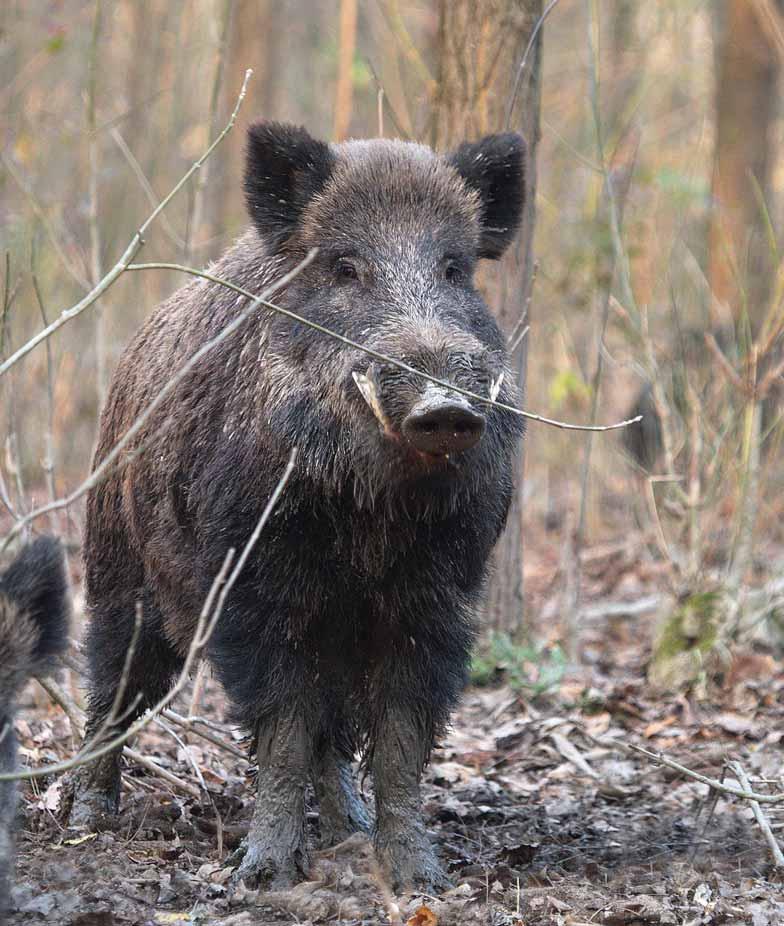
367 388
496 388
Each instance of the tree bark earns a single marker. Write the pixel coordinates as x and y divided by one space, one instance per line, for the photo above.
479 49
747 69
344 90
255 42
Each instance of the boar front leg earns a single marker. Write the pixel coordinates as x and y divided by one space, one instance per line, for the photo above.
274 852
404 852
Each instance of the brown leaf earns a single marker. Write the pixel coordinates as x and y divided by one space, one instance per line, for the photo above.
424 916
653 729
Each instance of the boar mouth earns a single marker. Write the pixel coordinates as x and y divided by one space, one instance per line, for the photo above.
439 425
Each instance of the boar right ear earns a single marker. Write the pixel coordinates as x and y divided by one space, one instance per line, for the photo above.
494 166
284 168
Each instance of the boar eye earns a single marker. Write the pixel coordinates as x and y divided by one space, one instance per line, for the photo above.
346 270
454 272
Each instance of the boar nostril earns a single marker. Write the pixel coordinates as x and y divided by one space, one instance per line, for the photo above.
448 427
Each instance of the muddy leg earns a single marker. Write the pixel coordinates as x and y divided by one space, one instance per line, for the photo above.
342 812
91 794
274 853
404 852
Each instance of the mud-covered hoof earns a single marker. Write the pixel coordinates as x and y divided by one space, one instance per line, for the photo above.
333 833
408 862
337 824
260 865
342 810
86 806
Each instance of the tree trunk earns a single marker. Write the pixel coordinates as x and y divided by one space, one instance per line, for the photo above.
255 42
344 90
747 67
479 49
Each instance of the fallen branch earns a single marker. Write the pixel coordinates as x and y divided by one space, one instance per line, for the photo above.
660 759
184 787
76 717
767 832
192 725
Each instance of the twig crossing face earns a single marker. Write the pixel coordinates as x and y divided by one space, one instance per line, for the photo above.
377 355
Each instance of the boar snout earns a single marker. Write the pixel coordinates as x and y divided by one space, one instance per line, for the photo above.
441 424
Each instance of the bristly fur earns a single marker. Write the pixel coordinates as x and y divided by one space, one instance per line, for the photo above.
33 628
362 591
33 614
496 170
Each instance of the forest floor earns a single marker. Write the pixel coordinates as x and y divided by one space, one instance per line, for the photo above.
540 810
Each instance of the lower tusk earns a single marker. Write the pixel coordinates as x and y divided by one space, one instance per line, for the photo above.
496 388
367 389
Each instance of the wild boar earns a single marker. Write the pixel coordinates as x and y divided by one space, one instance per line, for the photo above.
33 629
350 629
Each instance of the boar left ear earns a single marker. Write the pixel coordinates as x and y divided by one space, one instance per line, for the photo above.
494 166
284 168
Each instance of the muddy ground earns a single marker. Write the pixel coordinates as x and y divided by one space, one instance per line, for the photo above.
541 814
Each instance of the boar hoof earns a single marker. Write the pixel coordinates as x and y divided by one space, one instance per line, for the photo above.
408 862
342 812
93 809
89 803
261 865
337 829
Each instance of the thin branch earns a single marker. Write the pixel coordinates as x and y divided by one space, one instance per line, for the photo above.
185 748
92 204
71 710
195 214
76 273
713 783
48 461
76 717
524 60
130 252
144 183
384 99
385 358
521 328
109 460
770 839
396 23
207 621
724 364
184 787
194 725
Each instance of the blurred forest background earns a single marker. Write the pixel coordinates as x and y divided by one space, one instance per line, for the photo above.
655 133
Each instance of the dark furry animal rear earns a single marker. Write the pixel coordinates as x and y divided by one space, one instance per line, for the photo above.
351 626
33 628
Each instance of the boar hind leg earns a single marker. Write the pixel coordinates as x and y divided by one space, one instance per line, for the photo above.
274 853
402 846
92 794
342 812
